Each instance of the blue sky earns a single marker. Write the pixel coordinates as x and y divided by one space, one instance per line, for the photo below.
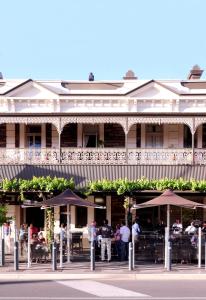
67 39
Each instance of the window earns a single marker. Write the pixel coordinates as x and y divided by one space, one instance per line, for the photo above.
154 136
81 216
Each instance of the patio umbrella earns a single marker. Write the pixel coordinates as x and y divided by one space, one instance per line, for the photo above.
169 198
66 198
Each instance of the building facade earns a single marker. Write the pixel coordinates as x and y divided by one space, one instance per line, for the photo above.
92 130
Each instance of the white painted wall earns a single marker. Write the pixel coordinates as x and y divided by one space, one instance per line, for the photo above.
10 136
131 138
55 138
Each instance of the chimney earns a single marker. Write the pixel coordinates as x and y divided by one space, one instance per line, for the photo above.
1 76
195 73
130 75
91 76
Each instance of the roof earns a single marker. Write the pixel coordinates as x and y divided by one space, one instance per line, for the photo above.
82 174
105 87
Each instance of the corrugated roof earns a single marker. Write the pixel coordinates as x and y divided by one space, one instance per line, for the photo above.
84 173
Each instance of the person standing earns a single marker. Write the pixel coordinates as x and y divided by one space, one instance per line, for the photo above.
136 229
125 235
117 239
107 233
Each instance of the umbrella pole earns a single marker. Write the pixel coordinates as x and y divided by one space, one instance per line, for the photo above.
167 244
68 233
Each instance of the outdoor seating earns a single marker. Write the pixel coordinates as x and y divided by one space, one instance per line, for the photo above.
39 252
76 242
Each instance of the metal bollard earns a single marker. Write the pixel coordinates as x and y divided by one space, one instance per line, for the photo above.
199 247
2 253
130 256
92 256
16 256
205 254
54 256
61 250
169 257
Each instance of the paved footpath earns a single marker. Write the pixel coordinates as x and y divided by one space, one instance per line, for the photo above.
112 270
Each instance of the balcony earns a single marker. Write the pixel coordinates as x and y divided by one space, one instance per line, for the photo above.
102 156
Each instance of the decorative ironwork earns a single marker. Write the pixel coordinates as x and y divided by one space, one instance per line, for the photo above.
102 156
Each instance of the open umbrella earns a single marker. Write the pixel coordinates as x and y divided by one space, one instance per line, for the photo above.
169 198
68 198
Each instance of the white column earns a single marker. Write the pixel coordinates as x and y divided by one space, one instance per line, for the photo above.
22 135
108 208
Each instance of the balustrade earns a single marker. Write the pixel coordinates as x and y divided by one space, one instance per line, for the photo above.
104 156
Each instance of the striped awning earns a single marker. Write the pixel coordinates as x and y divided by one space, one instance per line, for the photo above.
82 174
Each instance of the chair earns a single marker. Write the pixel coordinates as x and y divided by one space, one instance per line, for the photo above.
76 242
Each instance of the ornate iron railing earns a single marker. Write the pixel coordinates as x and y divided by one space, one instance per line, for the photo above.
104 156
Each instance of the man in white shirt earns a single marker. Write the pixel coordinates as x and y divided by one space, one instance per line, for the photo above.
125 235
136 229
177 227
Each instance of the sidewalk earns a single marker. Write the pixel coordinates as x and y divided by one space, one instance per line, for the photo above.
104 270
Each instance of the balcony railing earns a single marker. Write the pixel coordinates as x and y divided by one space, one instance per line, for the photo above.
102 156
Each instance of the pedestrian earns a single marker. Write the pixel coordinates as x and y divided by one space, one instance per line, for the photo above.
7 237
106 241
136 230
23 233
125 236
117 239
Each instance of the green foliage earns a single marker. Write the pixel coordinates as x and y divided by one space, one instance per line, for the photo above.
3 211
125 186
46 184
49 225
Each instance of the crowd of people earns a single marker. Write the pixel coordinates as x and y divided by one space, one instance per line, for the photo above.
103 236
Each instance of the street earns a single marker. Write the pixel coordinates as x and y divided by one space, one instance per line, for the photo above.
103 289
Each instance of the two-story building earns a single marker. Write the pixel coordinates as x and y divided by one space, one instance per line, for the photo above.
91 130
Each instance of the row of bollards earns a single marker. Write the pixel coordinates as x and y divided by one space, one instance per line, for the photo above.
54 251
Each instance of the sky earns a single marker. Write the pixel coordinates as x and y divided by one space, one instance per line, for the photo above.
68 39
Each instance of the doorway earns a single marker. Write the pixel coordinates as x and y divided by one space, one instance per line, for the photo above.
35 216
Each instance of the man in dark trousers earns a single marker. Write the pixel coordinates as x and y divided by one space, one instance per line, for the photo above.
106 232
